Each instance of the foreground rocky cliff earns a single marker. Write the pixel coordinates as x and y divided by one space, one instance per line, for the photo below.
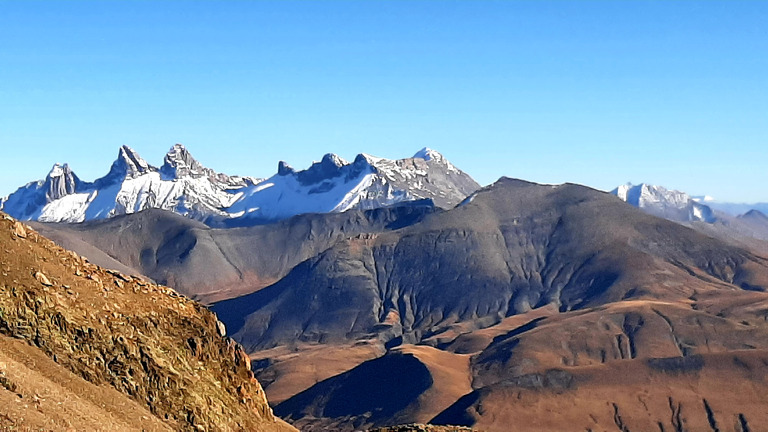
166 353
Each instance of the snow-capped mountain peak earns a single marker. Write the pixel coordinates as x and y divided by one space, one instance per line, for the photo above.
335 185
127 165
660 201
428 154
333 159
178 162
284 169
183 185
60 181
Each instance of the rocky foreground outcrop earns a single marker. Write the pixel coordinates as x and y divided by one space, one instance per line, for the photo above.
162 350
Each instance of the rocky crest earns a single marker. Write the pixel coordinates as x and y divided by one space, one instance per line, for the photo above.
669 204
164 351
186 187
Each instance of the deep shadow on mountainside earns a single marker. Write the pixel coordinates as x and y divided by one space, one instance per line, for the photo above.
214 264
89 348
529 307
512 247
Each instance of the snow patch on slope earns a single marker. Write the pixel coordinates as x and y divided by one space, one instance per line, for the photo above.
662 202
186 187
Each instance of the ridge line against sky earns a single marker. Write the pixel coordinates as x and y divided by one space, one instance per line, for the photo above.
598 93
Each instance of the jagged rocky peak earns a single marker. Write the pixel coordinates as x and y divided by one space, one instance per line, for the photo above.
645 194
330 166
364 159
331 159
428 154
666 203
61 181
185 186
178 162
128 165
283 169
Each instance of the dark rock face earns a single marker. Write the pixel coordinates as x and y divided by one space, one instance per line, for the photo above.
127 165
178 162
516 246
329 167
284 169
60 182
210 264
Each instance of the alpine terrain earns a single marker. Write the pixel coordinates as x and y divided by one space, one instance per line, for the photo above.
670 204
526 307
184 186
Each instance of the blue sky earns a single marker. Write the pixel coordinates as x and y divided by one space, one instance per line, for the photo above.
598 93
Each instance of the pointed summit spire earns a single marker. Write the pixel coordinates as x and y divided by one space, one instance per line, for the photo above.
331 159
133 164
127 165
284 169
61 181
179 162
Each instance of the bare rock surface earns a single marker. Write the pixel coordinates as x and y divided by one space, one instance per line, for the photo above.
114 331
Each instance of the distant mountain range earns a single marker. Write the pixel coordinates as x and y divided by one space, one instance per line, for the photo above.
681 207
733 209
184 186
669 204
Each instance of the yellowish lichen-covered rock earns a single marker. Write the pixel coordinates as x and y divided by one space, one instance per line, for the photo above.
162 350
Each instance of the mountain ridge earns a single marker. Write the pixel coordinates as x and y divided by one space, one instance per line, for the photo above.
526 245
183 185
669 204
544 289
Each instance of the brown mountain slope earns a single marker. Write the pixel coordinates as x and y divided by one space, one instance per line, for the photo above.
409 384
637 365
215 264
117 332
38 394
418 427
525 279
749 230
710 392
514 247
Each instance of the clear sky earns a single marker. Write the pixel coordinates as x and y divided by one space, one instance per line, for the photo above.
598 93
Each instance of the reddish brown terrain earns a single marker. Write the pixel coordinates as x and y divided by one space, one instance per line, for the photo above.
527 308
639 324
86 348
